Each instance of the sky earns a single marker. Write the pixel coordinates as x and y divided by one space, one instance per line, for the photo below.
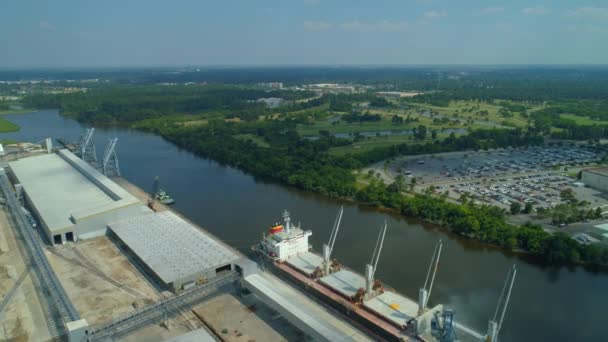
111 33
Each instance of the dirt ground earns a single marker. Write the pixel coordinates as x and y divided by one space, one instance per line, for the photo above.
96 299
22 319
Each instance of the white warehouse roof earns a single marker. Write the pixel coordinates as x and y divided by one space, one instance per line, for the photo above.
64 189
171 247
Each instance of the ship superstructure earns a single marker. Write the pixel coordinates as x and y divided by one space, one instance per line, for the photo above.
285 241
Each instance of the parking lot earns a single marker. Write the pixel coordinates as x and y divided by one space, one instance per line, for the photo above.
462 166
535 175
541 190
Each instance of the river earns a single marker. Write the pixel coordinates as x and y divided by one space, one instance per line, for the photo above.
547 304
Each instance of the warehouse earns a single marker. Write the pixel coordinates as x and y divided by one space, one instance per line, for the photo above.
596 178
172 251
71 199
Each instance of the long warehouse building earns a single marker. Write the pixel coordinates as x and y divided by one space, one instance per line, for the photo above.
596 178
172 251
71 199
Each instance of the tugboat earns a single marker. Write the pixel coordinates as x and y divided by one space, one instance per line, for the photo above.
163 198
160 195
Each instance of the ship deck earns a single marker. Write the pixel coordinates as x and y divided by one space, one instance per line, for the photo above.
345 282
306 262
394 307
353 308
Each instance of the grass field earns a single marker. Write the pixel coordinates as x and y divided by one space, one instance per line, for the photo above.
460 108
7 126
583 120
384 141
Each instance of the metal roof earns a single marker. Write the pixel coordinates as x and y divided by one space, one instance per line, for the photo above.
598 170
171 247
64 189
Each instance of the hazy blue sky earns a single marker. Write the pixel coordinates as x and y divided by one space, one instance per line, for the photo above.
266 32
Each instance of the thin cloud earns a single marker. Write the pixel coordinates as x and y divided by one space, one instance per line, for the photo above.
357 26
46 26
589 12
317 25
536 10
382 26
434 14
312 2
490 10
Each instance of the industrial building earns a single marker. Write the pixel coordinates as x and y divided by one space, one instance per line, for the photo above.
71 199
596 178
174 252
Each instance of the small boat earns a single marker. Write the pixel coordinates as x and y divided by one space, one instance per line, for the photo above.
163 197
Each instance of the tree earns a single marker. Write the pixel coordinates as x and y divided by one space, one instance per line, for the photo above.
527 208
515 208
397 120
420 132
568 195
412 183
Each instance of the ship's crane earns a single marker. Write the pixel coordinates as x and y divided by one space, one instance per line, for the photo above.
329 247
495 323
424 293
370 269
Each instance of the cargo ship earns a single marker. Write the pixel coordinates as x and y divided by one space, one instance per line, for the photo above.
362 298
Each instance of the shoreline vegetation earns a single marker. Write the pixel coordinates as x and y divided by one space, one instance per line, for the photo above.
7 126
232 129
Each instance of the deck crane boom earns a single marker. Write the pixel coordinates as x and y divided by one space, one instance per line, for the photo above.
495 324
329 247
424 294
370 269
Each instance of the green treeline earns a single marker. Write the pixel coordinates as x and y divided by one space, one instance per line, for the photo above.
484 223
128 104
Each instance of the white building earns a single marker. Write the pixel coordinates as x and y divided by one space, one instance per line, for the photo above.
175 252
69 198
596 178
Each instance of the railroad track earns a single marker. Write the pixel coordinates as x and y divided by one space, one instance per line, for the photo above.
91 268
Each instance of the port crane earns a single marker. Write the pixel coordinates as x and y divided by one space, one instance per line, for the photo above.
86 148
110 165
442 326
329 247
